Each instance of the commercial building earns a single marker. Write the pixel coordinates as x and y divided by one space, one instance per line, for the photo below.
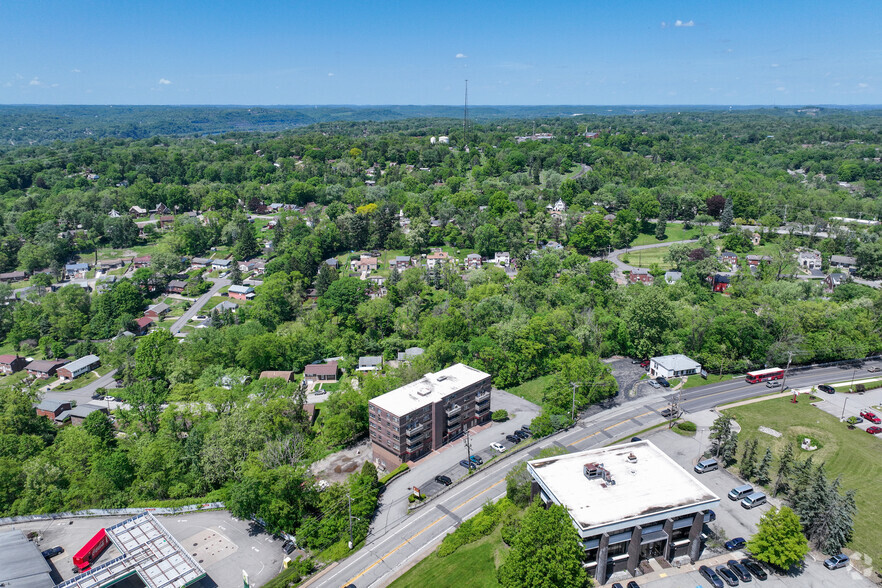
409 422
629 503
673 366
78 367
21 563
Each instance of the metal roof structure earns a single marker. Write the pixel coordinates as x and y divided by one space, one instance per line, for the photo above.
21 563
149 551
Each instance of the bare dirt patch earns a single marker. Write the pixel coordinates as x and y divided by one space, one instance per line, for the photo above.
337 466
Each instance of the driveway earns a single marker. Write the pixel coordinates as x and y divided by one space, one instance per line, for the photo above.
84 395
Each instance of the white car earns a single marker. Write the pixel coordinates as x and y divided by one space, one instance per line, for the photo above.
498 447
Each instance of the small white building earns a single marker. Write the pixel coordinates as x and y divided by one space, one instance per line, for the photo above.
673 366
809 259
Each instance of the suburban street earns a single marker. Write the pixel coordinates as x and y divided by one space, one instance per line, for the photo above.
200 302
403 539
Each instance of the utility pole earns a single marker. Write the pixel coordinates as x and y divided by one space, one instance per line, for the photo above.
842 418
784 381
349 496
468 444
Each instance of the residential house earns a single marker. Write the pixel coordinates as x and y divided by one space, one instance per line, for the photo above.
287 376
501 258
44 368
137 211
142 325
166 220
221 264
312 294
729 258
835 279
754 260
241 292
370 363
474 260
756 239
640 275
110 264
10 364
558 206
377 280
51 408
332 262
143 261
113 213
9 277
401 262
200 262
843 261
809 259
161 209
157 311
225 305
720 282
78 414
410 353
672 277
673 366
76 270
321 372
365 263
436 258
105 283
78 367
553 246
176 286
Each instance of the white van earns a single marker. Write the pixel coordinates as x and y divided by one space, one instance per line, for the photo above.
706 465
740 492
753 500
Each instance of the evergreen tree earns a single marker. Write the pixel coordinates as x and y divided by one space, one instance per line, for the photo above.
326 275
748 460
762 471
725 440
727 217
246 245
235 275
841 527
660 227
803 473
785 467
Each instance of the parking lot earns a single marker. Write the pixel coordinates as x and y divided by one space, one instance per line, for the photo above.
222 545
732 520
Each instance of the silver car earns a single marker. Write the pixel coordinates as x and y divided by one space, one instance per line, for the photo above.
654 384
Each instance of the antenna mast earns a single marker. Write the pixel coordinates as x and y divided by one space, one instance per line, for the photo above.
465 115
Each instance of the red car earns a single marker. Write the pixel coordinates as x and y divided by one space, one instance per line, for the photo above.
874 430
644 364
871 417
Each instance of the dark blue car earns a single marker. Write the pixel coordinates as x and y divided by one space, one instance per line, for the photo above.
736 543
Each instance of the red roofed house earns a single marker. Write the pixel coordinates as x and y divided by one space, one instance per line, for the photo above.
9 364
166 220
287 376
142 261
321 372
640 275
142 325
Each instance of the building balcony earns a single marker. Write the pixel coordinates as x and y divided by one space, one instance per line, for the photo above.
453 421
453 410
415 429
483 397
484 407
414 441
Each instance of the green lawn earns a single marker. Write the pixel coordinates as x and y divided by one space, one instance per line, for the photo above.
533 389
695 381
476 561
674 232
77 383
646 257
852 454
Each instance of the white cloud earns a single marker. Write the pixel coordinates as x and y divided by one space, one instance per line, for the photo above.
774 65
164 82
461 55
664 25
781 89
35 82
863 85
75 70
330 74
680 23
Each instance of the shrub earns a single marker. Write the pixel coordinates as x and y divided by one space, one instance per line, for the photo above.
687 426
394 473
474 528
499 416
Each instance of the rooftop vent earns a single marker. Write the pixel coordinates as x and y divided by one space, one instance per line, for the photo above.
632 458
594 471
442 378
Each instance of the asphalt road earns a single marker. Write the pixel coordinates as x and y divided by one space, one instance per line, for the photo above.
83 395
397 544
197 306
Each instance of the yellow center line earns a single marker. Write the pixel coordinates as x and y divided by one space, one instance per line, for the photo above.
610 427
420 532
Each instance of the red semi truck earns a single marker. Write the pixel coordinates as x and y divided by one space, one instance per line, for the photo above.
91 550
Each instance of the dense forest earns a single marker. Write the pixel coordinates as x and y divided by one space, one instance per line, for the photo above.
200 423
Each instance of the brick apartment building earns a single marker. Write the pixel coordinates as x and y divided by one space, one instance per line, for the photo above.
411 421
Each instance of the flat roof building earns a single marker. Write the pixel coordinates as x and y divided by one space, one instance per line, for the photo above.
21 563
417 418
628 502
673 366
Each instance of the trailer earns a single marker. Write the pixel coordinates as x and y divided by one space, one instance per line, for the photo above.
91 550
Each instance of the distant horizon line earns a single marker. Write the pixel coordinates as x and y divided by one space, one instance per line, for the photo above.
380 105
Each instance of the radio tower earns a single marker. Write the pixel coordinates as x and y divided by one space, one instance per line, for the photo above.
465 116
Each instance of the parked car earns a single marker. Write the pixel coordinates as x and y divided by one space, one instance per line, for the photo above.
663 381
466 464
711 576
827 389
521 434
497 447
527 429
874 430
654 384
727 575
512 439
635 439
873 369
736 543
476 460
616 585
739 570
443 480
871 416
53 551
773 384
644 364
670 412
836 562
633 584
754 568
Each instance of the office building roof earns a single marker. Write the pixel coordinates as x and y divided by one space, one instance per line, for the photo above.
21 563
429 389
677 363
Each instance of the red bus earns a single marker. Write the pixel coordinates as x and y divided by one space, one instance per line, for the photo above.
91 550
764 375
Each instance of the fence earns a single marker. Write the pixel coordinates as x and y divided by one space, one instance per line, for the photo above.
110 512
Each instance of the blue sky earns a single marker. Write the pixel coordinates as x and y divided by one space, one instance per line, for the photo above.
390 52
